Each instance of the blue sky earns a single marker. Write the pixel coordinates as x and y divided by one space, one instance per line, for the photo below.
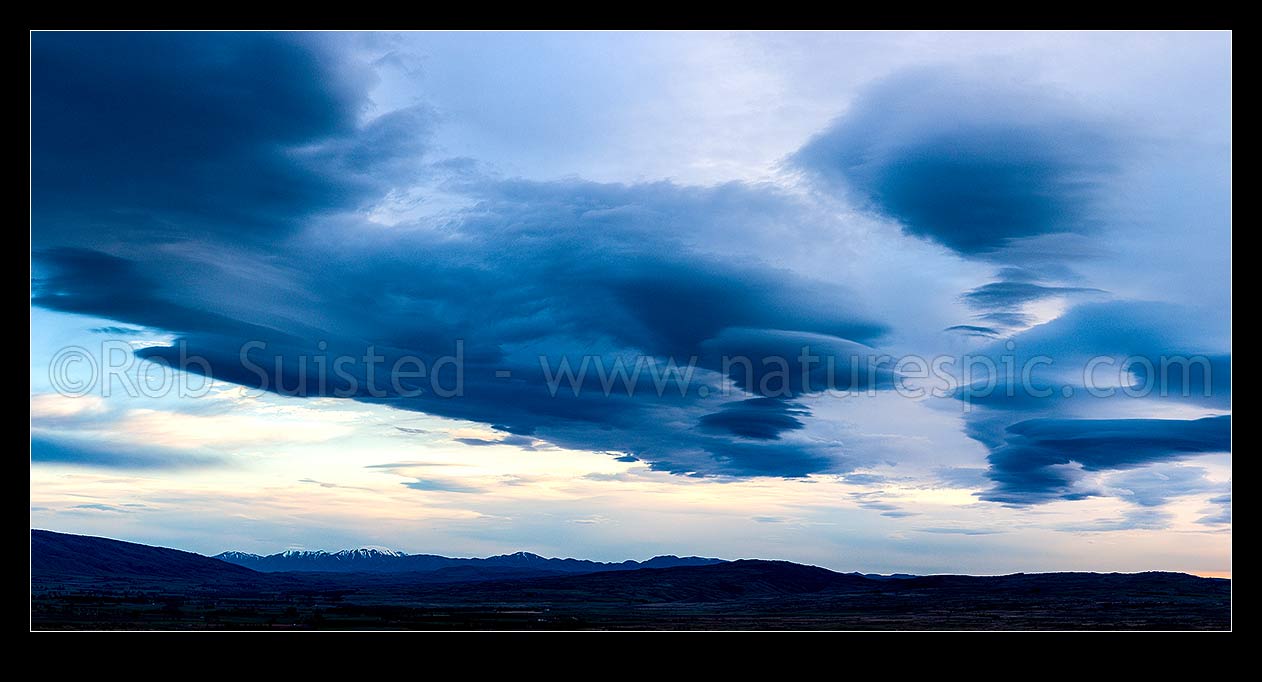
474 209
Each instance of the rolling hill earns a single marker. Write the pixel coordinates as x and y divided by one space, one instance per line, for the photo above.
55 555
81 582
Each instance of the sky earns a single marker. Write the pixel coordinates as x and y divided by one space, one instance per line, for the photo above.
888 302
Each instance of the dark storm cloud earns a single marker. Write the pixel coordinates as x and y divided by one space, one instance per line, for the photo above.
1041 441
1192 377
790 460
1105 347
777 363
77 280
758 418
164 134
1041 459
1124 328
220 213
971 163
985 165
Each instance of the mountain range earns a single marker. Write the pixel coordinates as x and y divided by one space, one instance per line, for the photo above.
82 582
376 560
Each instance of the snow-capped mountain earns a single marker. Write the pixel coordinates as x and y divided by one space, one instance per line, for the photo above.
363 553
237 557
381 560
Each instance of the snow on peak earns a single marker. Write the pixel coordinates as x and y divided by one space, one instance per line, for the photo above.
525 556
237 555
368 553
303 553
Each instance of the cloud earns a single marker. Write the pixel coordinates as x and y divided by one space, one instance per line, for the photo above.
875 500
117 331
221 224
1191 377
1043 459
183 430
406 465
758 418
96 506
1135 519
1154 486
53 407
1054 446
169 135
516 271
1007 294
1011 303
1159 353
961 477
777 363
477 441
959 531
1123 328
865 479
326 484
725 457
1007 318
82 452
628 292
971 161
90 282
520 442
1221 516
435 485
973 330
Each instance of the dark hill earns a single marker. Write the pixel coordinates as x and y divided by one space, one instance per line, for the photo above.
1162 581
59 555
80 582
718 582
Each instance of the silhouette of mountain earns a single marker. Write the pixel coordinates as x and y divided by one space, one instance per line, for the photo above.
63 555
375 560
733 580
883 576
82 582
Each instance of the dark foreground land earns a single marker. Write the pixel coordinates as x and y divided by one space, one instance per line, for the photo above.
80 582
